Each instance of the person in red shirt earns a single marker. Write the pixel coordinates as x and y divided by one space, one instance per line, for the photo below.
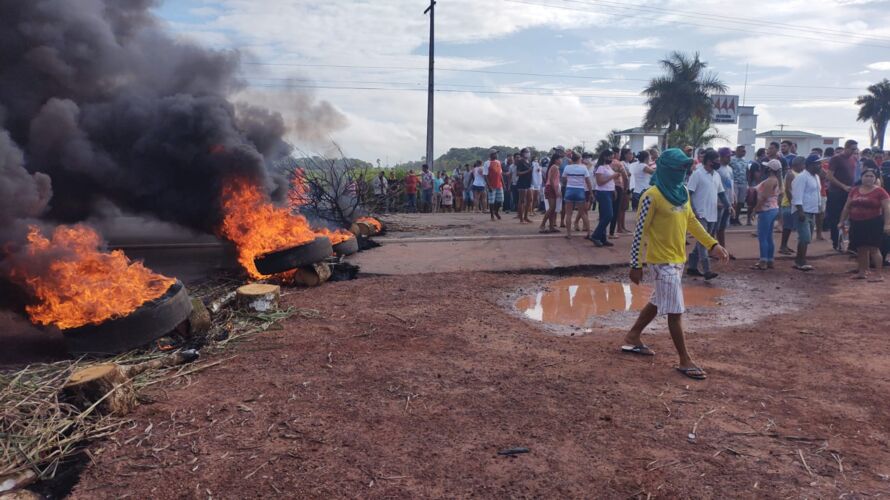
411 181
494 182
868 207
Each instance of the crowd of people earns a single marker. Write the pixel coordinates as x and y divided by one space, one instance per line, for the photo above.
835 191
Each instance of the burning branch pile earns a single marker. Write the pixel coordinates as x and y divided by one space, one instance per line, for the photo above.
74 283
332 190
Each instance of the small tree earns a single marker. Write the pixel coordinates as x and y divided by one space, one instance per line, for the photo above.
336 191
613 139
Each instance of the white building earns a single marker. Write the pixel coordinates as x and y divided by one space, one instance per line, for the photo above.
805 141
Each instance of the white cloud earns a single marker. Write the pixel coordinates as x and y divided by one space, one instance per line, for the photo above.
602 46
392 34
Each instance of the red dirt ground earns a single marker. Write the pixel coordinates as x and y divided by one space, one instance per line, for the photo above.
410 385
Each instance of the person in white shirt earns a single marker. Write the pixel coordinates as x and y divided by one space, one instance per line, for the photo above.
706 189
806 195
479 197
576 178
641 174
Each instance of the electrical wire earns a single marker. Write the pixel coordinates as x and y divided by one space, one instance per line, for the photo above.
517 73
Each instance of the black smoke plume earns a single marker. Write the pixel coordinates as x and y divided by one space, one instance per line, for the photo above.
97 96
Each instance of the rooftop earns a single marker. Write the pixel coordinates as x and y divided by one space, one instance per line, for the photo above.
788 133
643 131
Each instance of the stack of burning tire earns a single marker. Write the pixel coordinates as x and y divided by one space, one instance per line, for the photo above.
150 321
286 259
302 264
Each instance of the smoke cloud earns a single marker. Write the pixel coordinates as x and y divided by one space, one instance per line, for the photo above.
23 195
96 96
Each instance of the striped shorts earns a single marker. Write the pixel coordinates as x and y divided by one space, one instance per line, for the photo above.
668 293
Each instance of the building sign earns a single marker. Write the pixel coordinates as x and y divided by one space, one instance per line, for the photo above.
725 109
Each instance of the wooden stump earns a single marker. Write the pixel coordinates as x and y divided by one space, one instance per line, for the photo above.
313 275
199 319
90 385
354 229
258 297
365 229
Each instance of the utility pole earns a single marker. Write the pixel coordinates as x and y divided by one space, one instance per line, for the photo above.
781 126
429 93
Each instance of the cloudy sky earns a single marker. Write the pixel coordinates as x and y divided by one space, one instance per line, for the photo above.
537 72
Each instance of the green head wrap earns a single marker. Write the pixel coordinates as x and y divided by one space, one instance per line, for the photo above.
670 173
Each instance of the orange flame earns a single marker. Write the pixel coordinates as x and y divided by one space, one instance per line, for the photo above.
372 221
336 237
82 285
298 195
256 226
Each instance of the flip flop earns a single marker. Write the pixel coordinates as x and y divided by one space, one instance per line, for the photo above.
693 372
642 350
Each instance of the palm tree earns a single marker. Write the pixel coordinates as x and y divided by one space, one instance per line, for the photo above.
698 134
875 107
681 94
613 139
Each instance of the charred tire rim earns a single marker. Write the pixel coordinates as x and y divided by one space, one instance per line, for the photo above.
347 247
150 321
284 260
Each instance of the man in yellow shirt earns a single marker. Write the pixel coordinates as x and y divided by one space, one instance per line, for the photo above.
664 217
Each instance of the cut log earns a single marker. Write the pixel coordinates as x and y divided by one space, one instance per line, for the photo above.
217 305
354 229
258 297
365 229
313 275
199 319
17 481
106 384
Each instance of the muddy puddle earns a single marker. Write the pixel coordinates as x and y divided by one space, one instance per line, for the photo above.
578 302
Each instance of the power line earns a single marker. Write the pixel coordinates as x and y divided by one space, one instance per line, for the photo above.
550 93
517 73
619 93
711 26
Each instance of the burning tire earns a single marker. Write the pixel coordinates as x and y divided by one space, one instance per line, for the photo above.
304 255
347 247
149 322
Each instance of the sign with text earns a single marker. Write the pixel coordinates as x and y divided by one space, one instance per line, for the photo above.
725 109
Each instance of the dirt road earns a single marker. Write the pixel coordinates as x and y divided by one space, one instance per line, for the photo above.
410 385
